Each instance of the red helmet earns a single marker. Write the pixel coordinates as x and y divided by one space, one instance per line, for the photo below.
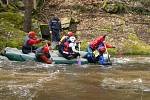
46 49
70 34
32 34
102 50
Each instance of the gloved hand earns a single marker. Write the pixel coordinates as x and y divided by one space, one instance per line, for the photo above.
50 31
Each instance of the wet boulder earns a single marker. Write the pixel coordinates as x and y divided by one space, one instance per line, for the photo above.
69 23
65 22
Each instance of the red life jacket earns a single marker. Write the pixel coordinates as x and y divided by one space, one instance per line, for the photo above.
66 46
94 44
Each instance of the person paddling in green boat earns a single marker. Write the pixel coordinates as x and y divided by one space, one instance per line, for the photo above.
43 55
69 48
99 45
29 41
64 39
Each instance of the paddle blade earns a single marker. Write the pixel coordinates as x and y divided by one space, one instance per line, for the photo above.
79 61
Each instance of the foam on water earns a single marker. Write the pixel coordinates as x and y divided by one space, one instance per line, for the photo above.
136 84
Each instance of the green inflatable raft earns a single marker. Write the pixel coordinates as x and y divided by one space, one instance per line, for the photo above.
17 55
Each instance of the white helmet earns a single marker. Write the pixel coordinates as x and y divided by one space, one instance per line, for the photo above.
72 39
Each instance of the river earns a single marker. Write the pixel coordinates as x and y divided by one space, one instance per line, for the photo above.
127 79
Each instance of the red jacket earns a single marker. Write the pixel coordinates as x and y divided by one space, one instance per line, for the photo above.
33 41
94 44
28 42
66 47
108 45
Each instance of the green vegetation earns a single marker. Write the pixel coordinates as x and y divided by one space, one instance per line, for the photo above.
10 33
84 44
14 19
134 46
113 7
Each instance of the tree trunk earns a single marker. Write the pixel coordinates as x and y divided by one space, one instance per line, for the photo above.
28 15
35 3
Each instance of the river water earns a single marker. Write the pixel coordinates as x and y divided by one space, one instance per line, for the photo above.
127 79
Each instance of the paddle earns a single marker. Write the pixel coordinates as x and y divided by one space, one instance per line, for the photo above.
107 52
78 58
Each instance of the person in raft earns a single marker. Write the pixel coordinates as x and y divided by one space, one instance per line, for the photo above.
29 41
43 55
102 47
69 49
99 45
64 39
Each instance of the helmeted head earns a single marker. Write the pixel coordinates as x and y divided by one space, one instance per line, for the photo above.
70 34
102 49
32 34
46 49
72 39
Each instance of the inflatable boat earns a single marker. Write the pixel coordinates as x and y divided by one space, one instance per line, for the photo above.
17 55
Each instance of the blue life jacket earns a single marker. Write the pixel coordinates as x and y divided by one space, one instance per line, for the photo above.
55 24
101 60
90 56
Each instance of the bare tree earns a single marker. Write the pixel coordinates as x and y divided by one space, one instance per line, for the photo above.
34 3
28 15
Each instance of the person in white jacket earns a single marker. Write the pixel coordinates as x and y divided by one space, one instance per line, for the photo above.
70 48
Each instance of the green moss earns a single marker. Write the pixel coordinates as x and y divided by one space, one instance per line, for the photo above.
112 51
10 33
113 7
134 46
84 44
14 18
12 39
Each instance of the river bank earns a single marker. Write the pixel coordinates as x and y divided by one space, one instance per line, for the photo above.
130 30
